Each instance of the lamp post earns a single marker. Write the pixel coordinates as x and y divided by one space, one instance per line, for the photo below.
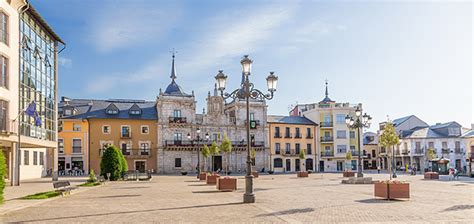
198 139
358 122
247 92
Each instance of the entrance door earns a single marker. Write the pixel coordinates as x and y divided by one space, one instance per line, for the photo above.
217 163
458 165
297 165
140 166
288 165
309 164
340 165
321 166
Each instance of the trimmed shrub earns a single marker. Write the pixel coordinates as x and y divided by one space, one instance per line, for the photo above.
111 162
3 173
123 164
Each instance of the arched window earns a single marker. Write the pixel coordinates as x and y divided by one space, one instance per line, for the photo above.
278 163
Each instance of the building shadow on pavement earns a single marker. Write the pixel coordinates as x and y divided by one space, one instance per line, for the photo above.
131 212
458 208
208 192
120 196
377 201
288 212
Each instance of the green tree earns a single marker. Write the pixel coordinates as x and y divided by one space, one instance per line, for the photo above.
214 149
92 178
111 162
302 159
389 138
226 147
349 159
205 153
431 155
123 164
3 173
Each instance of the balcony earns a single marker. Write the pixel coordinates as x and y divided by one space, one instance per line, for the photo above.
327 154
418 152
184 143
288 135
277 135
132 153
327 139
309 136
326 124
288 152
445 151
177 120
458 151
8 127
76 149
126 135
354 153
298 135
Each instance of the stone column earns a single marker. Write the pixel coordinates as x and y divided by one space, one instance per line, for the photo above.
54 164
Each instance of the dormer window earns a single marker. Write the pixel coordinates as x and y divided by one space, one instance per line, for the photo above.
135 110
112 109
67 112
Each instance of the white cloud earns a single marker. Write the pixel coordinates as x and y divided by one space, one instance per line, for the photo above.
65 62
124 25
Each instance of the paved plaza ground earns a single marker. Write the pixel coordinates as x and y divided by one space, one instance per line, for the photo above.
321 198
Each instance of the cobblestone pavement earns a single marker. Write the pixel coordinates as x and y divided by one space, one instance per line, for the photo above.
280 198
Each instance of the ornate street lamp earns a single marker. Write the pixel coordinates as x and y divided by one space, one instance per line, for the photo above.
247 92
358 122
198 140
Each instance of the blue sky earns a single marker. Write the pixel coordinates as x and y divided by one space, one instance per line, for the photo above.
396 57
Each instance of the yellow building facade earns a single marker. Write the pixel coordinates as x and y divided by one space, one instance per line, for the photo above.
73 147
288 137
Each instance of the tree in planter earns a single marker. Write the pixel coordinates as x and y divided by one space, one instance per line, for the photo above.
226 147
302 159
92 178
205 153
3 173
111 162
389 138
214 149
431 155
349 158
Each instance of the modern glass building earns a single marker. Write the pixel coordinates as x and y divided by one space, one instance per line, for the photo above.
38 54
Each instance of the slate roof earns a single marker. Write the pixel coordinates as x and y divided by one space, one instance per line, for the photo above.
444 125
367 141
468 134
90 109
174 89
398 121
292 120
431 131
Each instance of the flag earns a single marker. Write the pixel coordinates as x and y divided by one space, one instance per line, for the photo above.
32 112
31 109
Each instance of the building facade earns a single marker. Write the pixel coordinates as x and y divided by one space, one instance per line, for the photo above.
288 136
28 51
73 145
469 143
372 150
89 126
335 138
178 119
417 138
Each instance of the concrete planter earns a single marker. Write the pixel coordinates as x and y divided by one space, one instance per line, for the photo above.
431 176
255 174
348 174
212 179
226 184
302 174
392 190
202 176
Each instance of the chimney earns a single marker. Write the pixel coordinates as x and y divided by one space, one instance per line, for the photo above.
472 126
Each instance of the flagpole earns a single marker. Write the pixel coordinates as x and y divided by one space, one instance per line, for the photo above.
16 181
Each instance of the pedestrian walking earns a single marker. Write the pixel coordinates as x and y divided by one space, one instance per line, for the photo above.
451 173
378 169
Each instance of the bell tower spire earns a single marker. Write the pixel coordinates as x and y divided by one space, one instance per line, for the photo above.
173 69
327 88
